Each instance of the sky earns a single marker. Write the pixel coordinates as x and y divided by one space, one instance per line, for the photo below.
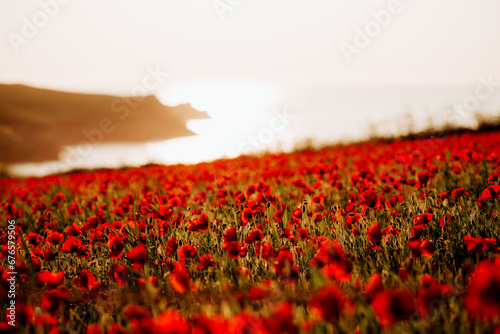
238 59
104 46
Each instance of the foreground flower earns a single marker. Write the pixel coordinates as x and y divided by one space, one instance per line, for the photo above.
329 302
24 314
50 301
392 306
282 319
171 322
373 287
431 295
179 278
482 298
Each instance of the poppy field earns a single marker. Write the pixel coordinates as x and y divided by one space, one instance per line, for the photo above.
374 237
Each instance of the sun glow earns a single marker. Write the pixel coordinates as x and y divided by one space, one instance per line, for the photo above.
237 110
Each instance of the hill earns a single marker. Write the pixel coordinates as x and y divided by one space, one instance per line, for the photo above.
36 124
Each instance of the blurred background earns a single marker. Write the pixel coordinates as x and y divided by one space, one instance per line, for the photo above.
125 82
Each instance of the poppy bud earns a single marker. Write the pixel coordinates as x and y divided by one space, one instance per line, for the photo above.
423 177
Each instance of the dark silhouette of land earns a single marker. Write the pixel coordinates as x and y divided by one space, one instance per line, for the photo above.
36 124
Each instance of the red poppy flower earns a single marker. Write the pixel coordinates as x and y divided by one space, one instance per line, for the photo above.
120 274
423 219
138 256
475 244
34 238
73 230
302 233
427 248
171 322
374 233
163 213
230 235
288 234
51 300
491 193
491 245
55 238
281 321
283 261
134 312
395 200
179 278
94 329
482 297
234 249
175 201
414 244
172 246
351 218
443 197
72 245
493 177
403 274
370 198
329 302
390 230
423 177
257 294
392 306
417 230
265 250
247 215
459 192
56 200
206 261
373 287
251 189
430 295
85 280
334 271
93 222
199 224
116 329
51 280
331 253
115 247
24 314
187 251
255 235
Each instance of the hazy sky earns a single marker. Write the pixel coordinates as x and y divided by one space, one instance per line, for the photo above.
106 46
